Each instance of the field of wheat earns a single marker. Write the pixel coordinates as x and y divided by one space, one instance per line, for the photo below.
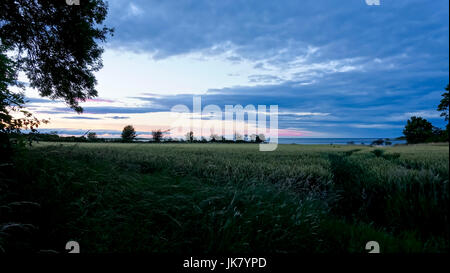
227 198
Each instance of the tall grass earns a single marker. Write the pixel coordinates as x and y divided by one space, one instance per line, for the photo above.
225 198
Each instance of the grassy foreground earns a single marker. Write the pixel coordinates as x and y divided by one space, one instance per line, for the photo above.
226 198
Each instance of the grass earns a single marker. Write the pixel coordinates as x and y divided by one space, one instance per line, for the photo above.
226 198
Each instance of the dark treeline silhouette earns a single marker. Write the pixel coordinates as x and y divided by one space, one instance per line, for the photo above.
53 137
129 136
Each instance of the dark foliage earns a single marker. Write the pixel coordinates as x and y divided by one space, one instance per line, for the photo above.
443 106
418 130
128 133
56 45
13 116
157 135
12 102
92 136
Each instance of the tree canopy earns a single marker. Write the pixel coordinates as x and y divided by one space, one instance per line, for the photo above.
128 133
418 130
55 44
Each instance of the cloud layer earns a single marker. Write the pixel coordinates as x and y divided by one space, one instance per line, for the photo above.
349 68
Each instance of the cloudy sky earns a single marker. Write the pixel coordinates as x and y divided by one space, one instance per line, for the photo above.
334 68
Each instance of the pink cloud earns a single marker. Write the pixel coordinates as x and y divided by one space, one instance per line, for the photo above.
290 132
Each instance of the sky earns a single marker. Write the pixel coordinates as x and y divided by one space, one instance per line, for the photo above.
334 68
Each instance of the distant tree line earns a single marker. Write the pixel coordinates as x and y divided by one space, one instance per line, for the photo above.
129 135
54 137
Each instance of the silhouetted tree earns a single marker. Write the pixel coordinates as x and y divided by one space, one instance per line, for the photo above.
56 45
443 106
128 133
92 136
418 130
157 135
